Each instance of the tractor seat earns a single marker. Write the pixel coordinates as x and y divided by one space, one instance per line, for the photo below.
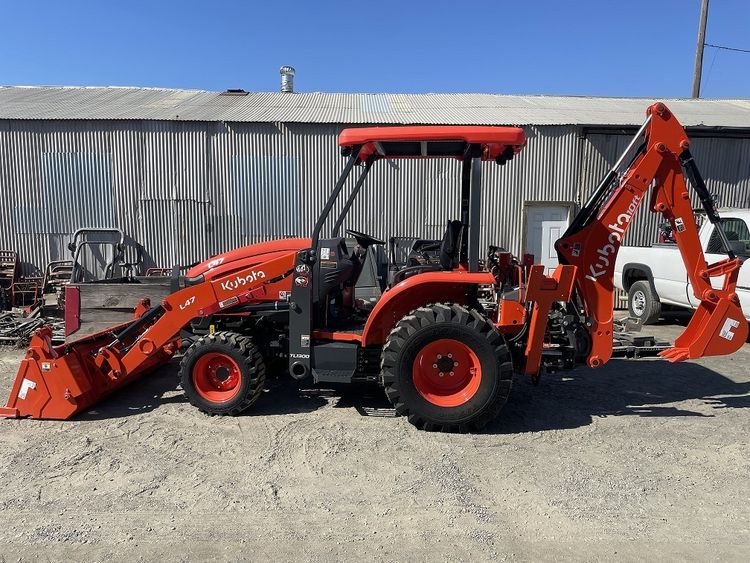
449 254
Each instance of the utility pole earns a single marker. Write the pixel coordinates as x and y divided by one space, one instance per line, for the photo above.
699 50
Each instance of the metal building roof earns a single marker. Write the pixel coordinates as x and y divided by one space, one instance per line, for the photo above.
116 103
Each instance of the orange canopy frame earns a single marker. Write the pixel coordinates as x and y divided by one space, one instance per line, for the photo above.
430 141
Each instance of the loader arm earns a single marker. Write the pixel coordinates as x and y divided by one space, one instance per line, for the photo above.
58 382
593 239
201 299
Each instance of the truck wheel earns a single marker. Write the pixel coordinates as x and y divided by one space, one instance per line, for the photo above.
446 368
643 303
222 373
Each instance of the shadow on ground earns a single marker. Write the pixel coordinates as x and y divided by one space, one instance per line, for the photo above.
574 398
563 400
148 393
282 395
621 388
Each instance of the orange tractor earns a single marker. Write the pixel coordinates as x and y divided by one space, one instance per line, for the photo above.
445 334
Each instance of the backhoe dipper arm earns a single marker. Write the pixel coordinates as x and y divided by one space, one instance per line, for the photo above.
592 241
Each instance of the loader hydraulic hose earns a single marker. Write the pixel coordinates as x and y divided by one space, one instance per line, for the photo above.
262 307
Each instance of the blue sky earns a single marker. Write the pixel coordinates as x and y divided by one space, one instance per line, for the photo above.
586 47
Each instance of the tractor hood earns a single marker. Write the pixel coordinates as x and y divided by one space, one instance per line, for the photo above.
251 254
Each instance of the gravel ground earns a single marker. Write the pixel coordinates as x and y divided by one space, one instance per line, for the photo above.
639 459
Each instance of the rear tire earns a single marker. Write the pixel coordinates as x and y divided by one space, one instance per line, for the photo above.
222 373
643 303
471 390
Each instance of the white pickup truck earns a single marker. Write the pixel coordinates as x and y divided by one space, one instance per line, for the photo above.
655 275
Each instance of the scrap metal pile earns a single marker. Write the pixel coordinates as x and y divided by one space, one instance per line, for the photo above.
22 295
16 328
29 304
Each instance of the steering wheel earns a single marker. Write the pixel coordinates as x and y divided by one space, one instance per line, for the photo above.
364 240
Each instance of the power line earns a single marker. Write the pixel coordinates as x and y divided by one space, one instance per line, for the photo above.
727 48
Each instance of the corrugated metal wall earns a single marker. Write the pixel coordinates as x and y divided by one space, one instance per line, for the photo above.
187 190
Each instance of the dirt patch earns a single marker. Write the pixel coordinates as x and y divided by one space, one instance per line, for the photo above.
637 457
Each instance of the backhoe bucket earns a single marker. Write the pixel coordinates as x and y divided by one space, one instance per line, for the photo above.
59 382
718 327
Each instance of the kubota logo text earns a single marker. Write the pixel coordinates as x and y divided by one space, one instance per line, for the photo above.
616 232
240 281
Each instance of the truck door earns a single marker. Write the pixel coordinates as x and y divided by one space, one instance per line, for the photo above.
669 273
739 237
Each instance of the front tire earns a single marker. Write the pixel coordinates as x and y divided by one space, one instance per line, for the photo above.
446 368
643 303
222 373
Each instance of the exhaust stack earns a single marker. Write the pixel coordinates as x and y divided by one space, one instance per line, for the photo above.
287 79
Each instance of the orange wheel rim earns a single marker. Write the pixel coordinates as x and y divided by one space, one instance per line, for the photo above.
447 373
217 377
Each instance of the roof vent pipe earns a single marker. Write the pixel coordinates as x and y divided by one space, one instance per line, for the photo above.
287 79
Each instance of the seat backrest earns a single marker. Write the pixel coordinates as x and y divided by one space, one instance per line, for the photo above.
399 248
451 245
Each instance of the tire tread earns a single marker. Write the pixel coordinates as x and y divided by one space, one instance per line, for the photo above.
252 360
428 316
653 305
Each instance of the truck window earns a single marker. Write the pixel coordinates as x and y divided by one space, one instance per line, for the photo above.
736 230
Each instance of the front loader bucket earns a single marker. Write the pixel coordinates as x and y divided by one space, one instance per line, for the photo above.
58 382
718 327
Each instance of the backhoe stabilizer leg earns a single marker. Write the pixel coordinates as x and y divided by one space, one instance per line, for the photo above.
543 290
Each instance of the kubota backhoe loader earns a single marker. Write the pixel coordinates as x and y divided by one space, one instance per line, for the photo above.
445 336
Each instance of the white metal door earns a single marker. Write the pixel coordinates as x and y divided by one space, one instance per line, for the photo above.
544 225
551 231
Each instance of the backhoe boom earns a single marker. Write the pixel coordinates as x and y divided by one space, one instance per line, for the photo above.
594 238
